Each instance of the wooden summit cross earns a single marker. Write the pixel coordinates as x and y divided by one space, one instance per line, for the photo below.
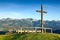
41 11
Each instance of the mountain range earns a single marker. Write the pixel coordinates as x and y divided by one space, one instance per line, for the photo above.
28 22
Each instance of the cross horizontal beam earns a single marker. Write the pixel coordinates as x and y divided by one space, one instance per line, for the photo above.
40 11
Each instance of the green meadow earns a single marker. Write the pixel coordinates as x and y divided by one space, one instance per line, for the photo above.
30 36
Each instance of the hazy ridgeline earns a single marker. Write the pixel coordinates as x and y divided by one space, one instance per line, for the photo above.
28 22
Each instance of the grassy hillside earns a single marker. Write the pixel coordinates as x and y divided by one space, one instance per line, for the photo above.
30 36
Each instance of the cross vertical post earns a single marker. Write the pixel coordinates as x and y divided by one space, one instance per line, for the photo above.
41 11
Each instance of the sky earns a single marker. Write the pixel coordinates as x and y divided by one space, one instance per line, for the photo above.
18 9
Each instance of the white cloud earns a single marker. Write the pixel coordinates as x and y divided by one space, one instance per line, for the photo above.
10 15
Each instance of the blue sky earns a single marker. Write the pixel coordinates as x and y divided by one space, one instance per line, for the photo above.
18 9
